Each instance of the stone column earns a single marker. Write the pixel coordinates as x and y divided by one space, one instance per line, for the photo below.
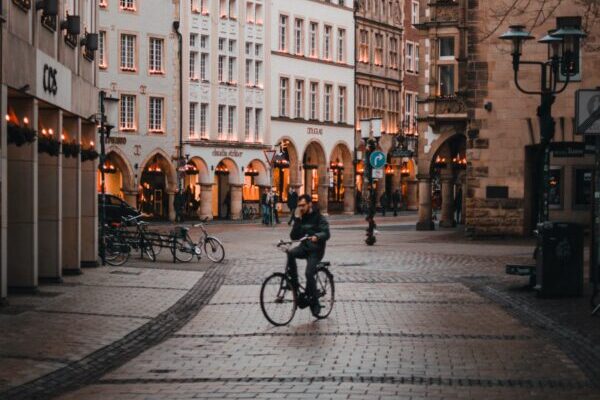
412 194
3 196
50 204
71 203
171 194
349 199
205 209
21 204
89 204
235 193
130 197
425 222
447 218
323 198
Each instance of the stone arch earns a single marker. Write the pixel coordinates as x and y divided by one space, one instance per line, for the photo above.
163 160
234 170
203 172
443 146
118 158
262 179
316 183
342 190
295 164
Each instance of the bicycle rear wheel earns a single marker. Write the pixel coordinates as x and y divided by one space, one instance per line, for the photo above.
184 250
116 251
213 249
325 292
278 300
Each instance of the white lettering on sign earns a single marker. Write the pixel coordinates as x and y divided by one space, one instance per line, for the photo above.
314 131
225 153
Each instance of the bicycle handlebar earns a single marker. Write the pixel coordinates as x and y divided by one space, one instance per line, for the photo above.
290 242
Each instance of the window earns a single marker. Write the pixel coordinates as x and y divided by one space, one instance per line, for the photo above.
363 47
446 80
327 43
193 39
230 122
446 46
203 119
102 62
231 73
416 58
127 115
232 9
257 73
257 124
223 9
583 188
408 108
220 68
409 56
232 46
415 12
248 72
299 36
341 54
299 100
392 122
193 108
283 96
328 103
393 53
313 40
203 41
193 75
127 52
283 21
204 7
341 104
103 3
220 117
155 114
203 66
314 98
378 49
250 12
247 121
555 191
258 50
258 15
194 6
248 49
222 44
127 5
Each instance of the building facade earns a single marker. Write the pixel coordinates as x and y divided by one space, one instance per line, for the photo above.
138 64
386 84
48 101
312 107
479 151
225 70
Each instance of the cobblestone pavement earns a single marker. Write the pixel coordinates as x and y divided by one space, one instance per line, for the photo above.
421 315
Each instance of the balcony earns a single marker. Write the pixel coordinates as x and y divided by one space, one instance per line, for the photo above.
445 108
443 13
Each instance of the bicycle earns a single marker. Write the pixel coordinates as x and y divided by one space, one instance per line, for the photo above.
184 248
279 298
139 240
116 248
248 213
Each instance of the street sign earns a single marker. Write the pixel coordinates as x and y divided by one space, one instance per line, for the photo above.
378 173
567 149
402 153
377 159
587 111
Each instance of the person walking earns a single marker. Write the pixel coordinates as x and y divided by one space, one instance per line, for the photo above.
292 203
396 198
359 206
274 202
264 205
383 201
179 206
227 204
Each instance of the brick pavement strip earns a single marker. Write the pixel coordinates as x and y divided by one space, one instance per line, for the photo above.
88 369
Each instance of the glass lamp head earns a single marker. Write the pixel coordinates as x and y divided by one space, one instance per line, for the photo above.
516 34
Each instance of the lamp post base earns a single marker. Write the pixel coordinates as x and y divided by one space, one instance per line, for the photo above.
425 226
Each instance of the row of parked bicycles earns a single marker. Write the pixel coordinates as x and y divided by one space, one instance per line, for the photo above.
133 235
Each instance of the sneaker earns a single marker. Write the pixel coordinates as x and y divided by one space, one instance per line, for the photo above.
302 301
315 308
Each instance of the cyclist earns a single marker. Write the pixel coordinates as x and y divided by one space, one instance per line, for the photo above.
308 221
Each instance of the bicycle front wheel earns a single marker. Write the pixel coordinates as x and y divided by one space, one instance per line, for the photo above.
278 300
213 249
116 252
149 250
325 292
184 250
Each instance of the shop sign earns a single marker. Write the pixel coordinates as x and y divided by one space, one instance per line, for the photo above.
53 81
227 153
567 149
115 140
402 153
314 131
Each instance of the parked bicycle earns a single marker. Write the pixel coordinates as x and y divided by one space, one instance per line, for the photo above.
279 298
140 239
184 248
248 213
116 249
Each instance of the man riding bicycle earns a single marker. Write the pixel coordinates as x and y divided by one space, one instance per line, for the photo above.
308 221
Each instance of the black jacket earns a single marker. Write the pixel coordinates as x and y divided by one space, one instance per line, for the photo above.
312 224
292 200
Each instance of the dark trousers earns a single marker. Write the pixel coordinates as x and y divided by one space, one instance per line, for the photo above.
292 212
312 257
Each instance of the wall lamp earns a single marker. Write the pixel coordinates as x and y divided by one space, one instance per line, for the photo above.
90 41
50 7
72 24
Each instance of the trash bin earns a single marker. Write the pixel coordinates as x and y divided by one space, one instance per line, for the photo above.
559 264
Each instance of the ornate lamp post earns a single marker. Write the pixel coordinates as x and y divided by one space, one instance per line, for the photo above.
562 45
108 120
370 132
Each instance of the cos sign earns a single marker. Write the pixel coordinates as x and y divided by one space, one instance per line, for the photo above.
49 80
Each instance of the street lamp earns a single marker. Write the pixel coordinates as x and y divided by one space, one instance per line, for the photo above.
563 43
108 120
370 133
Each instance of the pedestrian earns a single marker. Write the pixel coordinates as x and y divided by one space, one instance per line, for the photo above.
383 201
264 205
292 203
227 204
274 203
458 204
179 206
359 206
396 198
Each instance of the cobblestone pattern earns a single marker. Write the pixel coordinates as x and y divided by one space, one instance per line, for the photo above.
90 368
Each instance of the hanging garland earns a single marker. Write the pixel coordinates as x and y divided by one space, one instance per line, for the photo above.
47 144
71 149
19 135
